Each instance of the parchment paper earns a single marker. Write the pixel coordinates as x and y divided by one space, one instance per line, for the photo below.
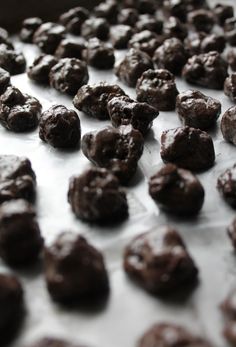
129 310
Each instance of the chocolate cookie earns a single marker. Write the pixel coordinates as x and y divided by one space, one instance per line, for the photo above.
41 67
193 43
146 41
149 22
125 111
116 149
230 87
230 31
228 125
95 27
197 110
208 70
231 59
12 167
152 260
74 18
95 196
17 179
170 335
99 54
107 9
128 16
176 190
19 112
226 185
171 56
20 238
189 148
173 27
74 269
48 36
120 35
68 75
201 20
29 26
60 127
132 66
12 306
158 89
223 12
70 48
4 80
93 99
213 42
12 61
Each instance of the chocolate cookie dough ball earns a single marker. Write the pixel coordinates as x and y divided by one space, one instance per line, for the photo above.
12 306
4 38
41 67
48 36
20 238
128 16
149 22
120 35
146 41
176 190
60 127
132 66
171 56
197 110
52 342
158 89
12 61
228 125
193 42
230 87
152 260
19 112
208 70
229 332
188 148
170 335
226 185
70 48
12 167
17 179
4 80
29 26
230 31
231 59
125 111
116 149
74 269
93 99
99 54
107 9
213 42
73 19
95 196
223 12
173 27
68 75
175 8
231 230
95 27
201 20
22 187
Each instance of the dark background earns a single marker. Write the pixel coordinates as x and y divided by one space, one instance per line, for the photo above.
12 12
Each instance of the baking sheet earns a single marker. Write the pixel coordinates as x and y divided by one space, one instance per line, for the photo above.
129 310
